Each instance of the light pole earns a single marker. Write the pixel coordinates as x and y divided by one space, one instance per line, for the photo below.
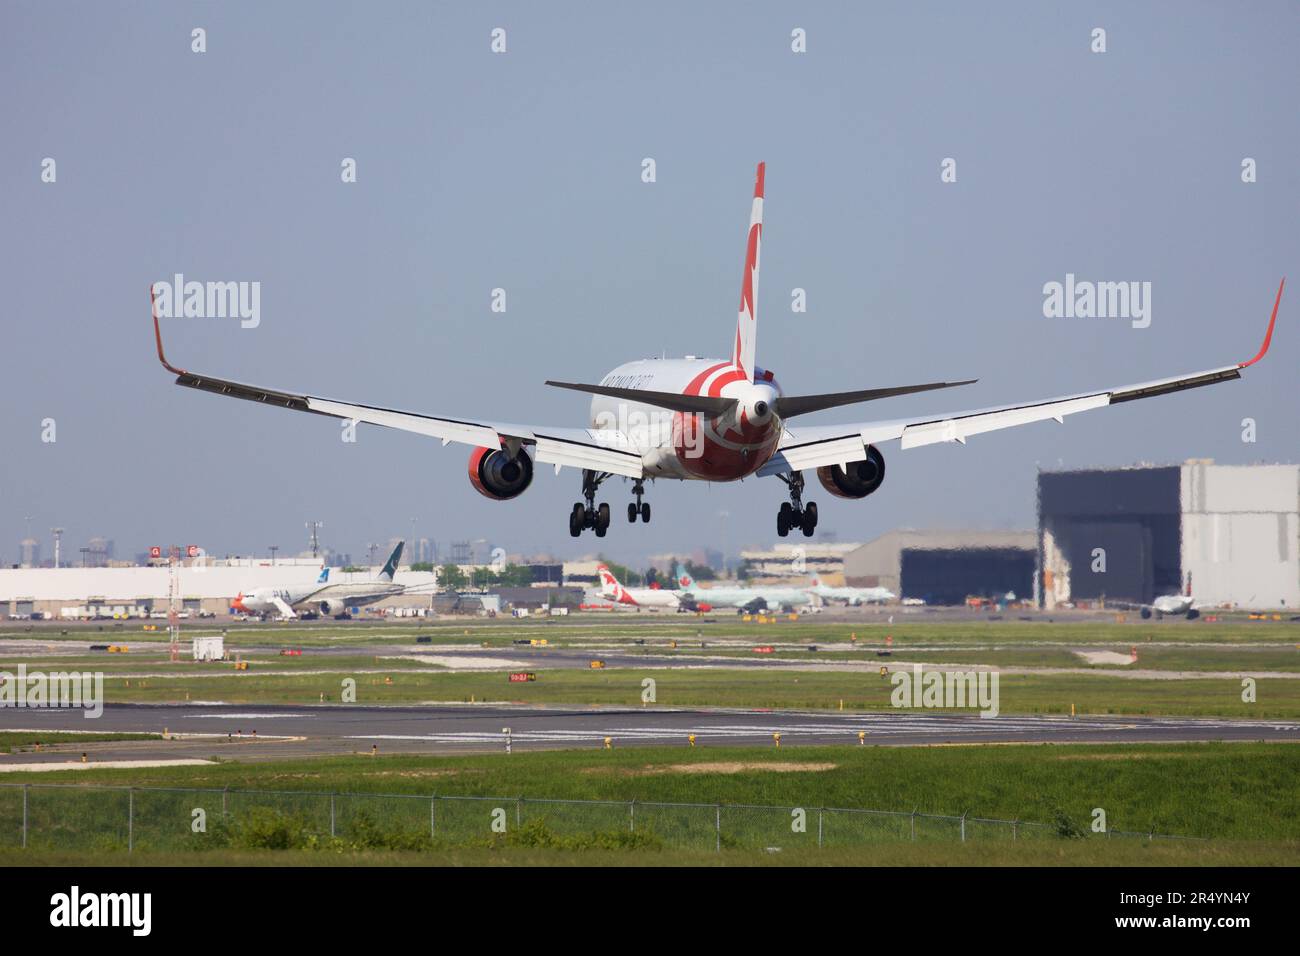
58 539
274 548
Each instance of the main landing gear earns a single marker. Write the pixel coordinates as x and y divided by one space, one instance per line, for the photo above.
589 515
638 507
596 517
794 513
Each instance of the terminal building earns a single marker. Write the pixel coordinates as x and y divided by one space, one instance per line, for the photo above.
1230 532
61 592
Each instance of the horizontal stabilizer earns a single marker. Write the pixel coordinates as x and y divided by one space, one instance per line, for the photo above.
700 404
788 406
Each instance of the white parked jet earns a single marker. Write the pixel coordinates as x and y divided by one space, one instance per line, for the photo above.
612 589
745 598
1173 605
322 597
851 596
707 420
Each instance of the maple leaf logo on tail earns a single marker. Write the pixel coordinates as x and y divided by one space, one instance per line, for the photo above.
747 320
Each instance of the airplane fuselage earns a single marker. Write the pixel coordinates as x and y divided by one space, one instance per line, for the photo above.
694 446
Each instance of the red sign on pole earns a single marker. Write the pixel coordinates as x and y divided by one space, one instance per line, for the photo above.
155 552
521 677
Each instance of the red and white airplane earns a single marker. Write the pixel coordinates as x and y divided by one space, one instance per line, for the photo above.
707 420
611 587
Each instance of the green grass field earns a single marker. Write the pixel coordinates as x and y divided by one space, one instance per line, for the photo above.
1240 798
1243 791
1096 853
700 687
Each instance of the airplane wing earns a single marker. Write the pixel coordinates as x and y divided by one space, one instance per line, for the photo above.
816 446
599 449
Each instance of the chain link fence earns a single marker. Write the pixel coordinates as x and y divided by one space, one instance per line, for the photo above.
74 817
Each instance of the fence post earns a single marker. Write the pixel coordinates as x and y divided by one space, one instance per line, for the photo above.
331 816
433 820
963 826
25 789
631 816
819 827
224 790
1014 824
130 819
717 829
519 811
914 824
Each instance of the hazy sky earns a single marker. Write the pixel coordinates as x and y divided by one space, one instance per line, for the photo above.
523 171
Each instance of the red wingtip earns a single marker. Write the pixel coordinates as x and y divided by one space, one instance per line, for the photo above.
1268 336
758 181
157 335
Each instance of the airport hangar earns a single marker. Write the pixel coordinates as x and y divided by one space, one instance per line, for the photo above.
1233 530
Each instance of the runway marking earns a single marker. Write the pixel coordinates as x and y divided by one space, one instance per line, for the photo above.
242 716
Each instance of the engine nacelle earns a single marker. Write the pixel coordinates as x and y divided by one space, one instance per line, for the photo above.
333 607
494 474
860 479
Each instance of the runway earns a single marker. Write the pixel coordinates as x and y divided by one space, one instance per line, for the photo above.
265 732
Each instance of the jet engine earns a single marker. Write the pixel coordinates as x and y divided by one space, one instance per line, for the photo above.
858 480
333 607
494 474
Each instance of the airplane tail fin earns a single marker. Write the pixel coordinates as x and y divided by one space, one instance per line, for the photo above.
390 566
324 576
747 320
609 586
684 579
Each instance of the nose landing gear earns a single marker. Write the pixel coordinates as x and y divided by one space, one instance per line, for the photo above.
638 507
794 513
589 515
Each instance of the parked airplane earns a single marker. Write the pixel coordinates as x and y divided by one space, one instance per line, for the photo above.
850 596
707 420
1174 605
612 588
746 598
322 597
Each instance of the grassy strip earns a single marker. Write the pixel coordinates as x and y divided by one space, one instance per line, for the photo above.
1221 791
13 742
1058 853
707 687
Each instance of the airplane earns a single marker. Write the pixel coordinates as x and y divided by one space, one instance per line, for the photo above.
323 597
716 420
610 587
264 600
851 596
743 598
1172 605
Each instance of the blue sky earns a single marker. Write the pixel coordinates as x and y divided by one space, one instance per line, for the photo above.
522 171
